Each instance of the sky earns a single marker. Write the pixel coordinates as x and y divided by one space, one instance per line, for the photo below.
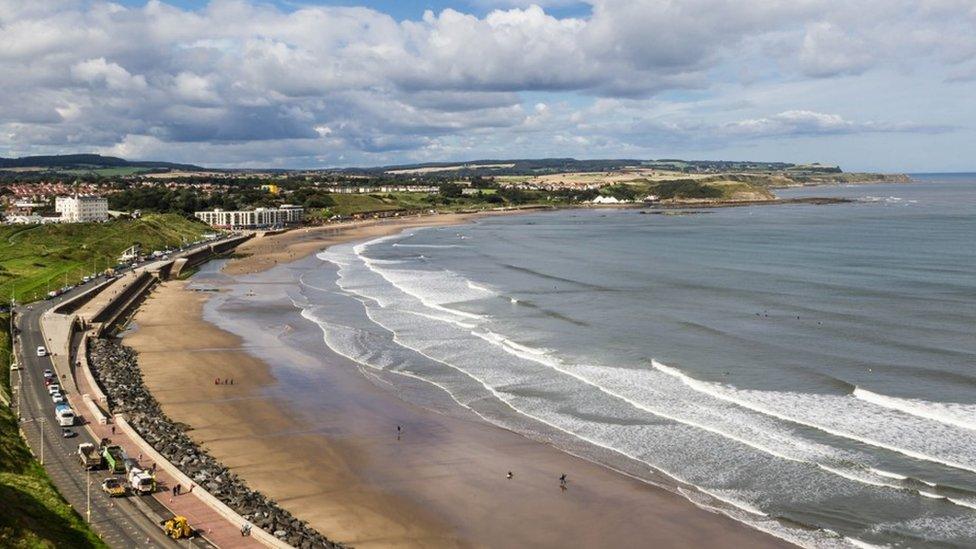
882 85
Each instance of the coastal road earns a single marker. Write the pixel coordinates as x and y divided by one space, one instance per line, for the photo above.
121 522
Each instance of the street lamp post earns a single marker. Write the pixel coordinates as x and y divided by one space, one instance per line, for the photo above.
88 494
42 440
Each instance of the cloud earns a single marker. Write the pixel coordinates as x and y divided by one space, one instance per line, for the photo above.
797 123
90 74
100 72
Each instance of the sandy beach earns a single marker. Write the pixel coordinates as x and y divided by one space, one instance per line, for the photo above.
343 469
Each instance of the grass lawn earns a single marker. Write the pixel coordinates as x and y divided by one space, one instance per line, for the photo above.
37 258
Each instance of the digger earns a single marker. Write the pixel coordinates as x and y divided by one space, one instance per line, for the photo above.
177 527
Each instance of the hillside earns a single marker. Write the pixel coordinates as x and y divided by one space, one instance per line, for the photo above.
721 188
64 161
36 258
32 257
540 166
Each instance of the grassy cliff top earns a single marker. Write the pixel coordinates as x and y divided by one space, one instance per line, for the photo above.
34 258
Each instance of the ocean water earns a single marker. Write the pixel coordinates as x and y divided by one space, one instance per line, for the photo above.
808 370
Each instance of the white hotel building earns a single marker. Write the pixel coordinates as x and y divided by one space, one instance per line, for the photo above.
258 218
81 208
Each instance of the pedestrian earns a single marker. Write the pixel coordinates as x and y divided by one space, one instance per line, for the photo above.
179 489
113 429
152 469
399 430
562 480
216 381
509 475
173 490
191 488
140 457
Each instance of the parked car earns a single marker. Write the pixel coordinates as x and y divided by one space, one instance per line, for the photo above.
53 388
58 398
41 351
68 433
48 374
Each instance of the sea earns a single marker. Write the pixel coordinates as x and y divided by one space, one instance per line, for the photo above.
808 370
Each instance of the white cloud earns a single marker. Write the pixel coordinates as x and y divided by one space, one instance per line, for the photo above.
85 73
111 75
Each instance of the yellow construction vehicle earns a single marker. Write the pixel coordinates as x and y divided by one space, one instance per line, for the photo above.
114 487
177 527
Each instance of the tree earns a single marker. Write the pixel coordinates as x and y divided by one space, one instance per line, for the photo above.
451 190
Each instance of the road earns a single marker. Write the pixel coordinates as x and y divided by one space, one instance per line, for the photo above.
121 522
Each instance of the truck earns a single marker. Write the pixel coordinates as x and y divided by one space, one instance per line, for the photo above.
141 481
114 487
114 458
90 456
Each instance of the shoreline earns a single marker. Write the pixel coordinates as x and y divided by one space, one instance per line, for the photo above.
265 252
344 475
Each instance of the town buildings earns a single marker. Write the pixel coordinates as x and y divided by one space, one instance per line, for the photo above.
81 208
257 218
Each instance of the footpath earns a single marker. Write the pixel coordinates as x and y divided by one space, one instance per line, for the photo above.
216 522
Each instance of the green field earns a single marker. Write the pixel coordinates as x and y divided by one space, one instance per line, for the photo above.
32 513
37 258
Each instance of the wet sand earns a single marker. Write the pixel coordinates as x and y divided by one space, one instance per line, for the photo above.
442 484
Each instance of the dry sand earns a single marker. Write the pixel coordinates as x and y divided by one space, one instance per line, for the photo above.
442 485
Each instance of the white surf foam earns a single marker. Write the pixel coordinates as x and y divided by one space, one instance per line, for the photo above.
959 415
888 474
431 246
848 417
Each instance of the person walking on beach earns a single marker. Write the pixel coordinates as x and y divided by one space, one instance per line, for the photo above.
399 430
562 481
509 475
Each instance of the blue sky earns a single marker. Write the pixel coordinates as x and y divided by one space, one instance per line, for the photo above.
880 85
401 10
